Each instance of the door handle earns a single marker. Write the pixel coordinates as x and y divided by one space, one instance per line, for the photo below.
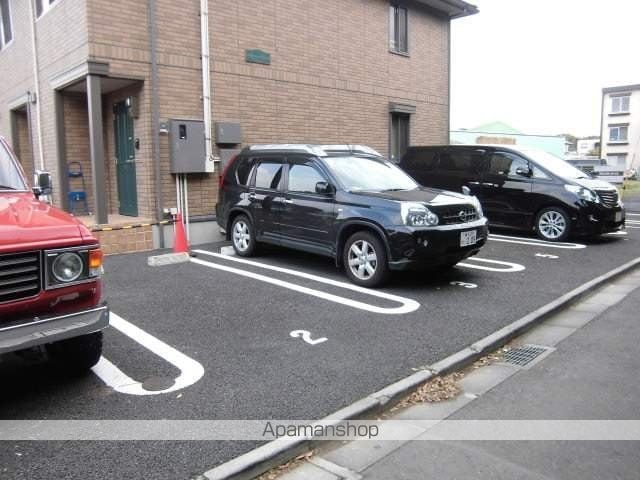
473 183
252 196
287 200
489 184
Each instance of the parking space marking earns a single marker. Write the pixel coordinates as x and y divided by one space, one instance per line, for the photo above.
546 255
616 233
190 370
306 336
463 284
507 267
535 242
407 305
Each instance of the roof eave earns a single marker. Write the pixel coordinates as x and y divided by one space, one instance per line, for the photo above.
451 8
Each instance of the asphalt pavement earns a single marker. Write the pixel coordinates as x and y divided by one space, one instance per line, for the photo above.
237 327
591 375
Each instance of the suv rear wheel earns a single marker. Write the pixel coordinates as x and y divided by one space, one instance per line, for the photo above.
553 224
365 260
242 236
77 354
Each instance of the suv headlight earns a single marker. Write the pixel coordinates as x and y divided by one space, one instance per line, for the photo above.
417 215
583 193
71 266
477 205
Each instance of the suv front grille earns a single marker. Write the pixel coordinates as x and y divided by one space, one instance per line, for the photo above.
19 276
457 214
609 198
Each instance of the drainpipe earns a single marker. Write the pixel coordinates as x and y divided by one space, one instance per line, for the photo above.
155 118
36 80
206 81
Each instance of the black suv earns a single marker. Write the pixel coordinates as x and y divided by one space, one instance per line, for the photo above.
521 188
345 202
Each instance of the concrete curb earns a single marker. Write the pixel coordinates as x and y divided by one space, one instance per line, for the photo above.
274 453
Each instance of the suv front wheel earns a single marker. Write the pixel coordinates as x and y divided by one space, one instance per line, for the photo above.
365 260
78 354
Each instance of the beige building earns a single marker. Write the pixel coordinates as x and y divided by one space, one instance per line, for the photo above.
89 90
621 126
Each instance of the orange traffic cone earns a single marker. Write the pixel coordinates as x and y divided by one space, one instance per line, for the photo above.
180 244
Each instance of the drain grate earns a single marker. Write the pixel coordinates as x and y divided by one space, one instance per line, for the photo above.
523 355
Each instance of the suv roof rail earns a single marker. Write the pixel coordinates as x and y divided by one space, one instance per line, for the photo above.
319 150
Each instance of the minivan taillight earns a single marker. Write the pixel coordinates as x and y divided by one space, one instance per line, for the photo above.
226 169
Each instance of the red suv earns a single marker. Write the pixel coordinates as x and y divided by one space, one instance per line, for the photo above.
50 268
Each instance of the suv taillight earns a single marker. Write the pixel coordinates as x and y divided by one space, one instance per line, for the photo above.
224 172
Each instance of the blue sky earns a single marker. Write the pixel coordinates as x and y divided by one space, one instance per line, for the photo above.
540 65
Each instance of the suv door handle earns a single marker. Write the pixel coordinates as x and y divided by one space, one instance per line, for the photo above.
287 200
252 196
474 183
489 184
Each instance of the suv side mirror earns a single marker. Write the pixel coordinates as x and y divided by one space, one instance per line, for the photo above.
323 188
523 172
42 183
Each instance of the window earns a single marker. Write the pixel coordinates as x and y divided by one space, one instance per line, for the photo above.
461 161
6 26
617 160
620 104
506 164
618 133
303 178
43 6
244 169
537 173
268 175
398 29
399 135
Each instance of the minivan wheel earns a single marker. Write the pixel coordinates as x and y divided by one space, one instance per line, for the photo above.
553 224
242 236
365 260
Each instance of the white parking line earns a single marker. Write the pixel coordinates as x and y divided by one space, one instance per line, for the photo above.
635 222
190 370
508 266
634 214
535 242
407 305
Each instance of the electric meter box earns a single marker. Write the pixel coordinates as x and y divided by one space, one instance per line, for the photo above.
186 147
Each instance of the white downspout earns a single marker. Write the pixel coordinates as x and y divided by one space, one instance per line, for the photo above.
206 83
36 79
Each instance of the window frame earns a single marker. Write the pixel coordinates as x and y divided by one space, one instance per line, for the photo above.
47 6
618 139
394 33
254 173
620 99
4 44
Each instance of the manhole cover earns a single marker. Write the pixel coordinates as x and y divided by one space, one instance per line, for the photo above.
523 355
154 384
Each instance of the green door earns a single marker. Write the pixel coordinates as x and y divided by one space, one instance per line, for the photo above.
125 160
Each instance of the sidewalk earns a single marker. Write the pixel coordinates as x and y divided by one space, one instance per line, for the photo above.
591 373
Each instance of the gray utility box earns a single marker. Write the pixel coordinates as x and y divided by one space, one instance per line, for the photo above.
186 147
228 133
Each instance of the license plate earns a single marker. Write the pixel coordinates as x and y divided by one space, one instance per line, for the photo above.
618 216
467 238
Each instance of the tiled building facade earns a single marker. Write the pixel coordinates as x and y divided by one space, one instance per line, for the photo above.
334 75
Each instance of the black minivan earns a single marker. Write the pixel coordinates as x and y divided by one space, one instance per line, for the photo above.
521 188
346 202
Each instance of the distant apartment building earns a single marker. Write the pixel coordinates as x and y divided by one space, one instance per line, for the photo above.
102 93
620 140
502 133
588 147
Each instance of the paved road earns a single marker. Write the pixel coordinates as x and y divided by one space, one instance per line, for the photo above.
237 326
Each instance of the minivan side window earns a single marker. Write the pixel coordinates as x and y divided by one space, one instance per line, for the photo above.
303 178
461 161
420 159
268 175
506 164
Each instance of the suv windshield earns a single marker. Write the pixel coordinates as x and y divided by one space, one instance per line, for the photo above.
555 164
370 174
10 177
